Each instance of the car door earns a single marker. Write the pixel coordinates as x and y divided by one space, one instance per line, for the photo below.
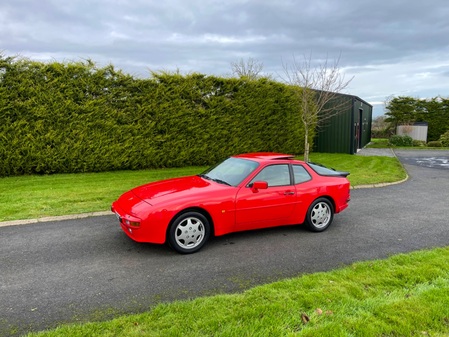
271 206
306 191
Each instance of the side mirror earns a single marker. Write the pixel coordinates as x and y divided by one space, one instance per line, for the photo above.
259 185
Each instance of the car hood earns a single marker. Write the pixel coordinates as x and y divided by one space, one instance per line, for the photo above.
176 187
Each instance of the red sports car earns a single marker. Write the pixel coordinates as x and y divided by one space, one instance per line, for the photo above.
244 192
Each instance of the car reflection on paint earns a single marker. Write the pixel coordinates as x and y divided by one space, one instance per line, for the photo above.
244 192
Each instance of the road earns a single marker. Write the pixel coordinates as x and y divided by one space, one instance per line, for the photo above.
87 269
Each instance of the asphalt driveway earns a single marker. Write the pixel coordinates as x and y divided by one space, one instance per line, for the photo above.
437 159
87 269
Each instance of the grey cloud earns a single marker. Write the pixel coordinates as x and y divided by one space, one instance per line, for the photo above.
205 36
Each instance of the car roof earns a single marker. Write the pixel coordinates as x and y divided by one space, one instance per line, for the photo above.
264 156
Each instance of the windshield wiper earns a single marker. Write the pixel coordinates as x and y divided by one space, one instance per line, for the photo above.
214 179
220 181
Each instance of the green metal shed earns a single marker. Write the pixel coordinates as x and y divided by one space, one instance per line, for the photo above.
347 131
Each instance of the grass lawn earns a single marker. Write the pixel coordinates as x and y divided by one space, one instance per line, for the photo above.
29 197
364 170
404 295
378 143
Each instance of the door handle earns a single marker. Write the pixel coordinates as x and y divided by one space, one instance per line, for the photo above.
289 193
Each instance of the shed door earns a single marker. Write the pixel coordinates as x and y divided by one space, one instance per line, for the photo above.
358 131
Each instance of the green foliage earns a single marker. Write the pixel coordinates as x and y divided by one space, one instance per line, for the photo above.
76 117
380 128
434 111
380 133
401 110
398 140
435 143
419 143
444 139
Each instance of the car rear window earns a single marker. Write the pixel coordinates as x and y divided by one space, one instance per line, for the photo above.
325 171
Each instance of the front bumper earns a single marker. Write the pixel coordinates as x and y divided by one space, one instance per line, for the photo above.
127 222
146 231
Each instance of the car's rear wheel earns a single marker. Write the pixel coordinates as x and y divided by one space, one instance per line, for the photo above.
189 232
320 215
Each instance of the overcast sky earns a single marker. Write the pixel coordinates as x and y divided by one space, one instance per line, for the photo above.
391 47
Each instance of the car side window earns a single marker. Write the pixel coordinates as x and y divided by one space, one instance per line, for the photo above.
300 174
274 175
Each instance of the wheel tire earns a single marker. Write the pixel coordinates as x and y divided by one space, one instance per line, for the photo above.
320 215
189 232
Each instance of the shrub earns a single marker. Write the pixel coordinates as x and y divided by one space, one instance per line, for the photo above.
419 143
444 139
397 140
434 143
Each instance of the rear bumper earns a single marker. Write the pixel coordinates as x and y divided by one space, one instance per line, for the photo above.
341 208
343 204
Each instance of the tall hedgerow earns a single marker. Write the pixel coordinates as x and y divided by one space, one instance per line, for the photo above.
77 117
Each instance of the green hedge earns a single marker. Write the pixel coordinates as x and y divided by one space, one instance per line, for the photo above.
76 117
445 139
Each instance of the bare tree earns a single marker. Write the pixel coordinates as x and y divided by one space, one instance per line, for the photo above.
250 69
318 89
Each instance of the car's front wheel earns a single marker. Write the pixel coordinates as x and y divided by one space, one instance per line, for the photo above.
189 232
320 215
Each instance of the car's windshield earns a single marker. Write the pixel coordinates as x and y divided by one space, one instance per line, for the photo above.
231 172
